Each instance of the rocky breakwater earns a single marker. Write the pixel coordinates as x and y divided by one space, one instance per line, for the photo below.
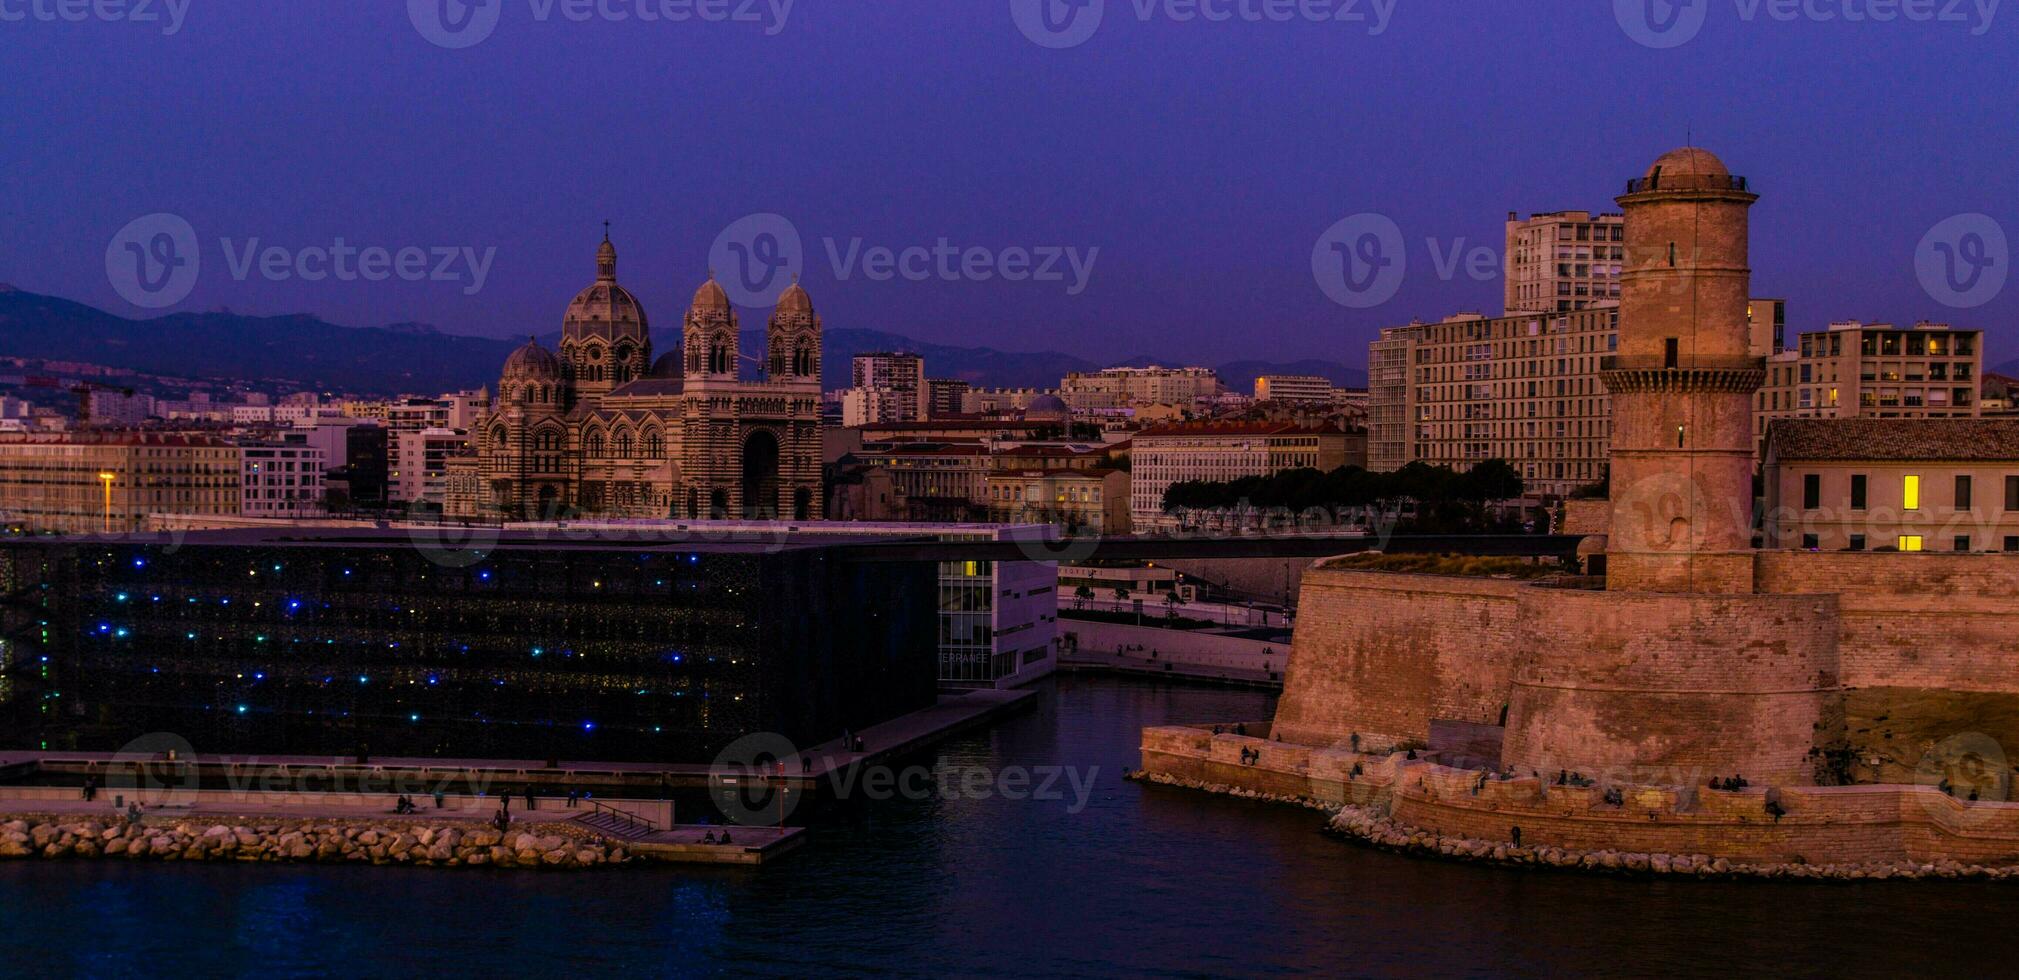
547 846
1370 825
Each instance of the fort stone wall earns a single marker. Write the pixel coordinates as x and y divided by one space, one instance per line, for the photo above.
1671 687
1380 654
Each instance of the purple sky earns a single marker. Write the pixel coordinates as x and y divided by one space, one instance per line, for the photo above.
1203 160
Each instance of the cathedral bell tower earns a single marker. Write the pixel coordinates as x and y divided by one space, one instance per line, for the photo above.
1682 384
708 337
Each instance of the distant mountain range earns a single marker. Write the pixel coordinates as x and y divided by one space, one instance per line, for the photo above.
2009 369
416 358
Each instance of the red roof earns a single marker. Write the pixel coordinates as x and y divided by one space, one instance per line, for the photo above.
1237 429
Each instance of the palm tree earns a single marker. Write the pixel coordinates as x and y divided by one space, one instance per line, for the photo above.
1171 600
1080 597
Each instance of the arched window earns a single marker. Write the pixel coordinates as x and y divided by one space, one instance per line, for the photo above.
623 445
595 444
655 445
802 361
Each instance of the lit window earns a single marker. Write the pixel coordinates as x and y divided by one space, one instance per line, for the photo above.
1910 542
1910 495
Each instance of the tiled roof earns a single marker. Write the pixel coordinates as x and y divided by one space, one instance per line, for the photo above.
1894 439
1236 429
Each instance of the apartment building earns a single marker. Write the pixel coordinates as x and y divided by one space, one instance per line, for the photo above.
419 473
945 397
1523 388
281 479
1295 388
1563 261
1221 452
901 376
1123 387
1877 370
95 482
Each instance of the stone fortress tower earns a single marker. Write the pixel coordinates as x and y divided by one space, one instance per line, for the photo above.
1869 696
1682 383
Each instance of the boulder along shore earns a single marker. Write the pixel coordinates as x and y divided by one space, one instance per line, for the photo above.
551 846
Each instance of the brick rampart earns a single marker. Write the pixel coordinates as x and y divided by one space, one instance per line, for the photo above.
1917 620
1674 687
1379 654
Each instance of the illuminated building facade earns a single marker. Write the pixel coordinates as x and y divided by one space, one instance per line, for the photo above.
591 647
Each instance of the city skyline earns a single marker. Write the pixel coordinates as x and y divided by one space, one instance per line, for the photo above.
1088 174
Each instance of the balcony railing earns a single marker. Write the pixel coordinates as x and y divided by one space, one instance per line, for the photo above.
1686 182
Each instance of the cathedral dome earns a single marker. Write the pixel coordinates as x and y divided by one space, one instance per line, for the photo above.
605 309
711 296
668 366
1689 161
532 362
795 300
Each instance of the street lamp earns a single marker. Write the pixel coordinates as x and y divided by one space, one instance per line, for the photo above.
107 479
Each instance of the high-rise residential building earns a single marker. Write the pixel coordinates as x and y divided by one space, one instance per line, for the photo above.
944 396
89 482
1294 388
1767 320
1563 261
1221 452
1123 387
871 406
1857 369
1523 388
900 374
